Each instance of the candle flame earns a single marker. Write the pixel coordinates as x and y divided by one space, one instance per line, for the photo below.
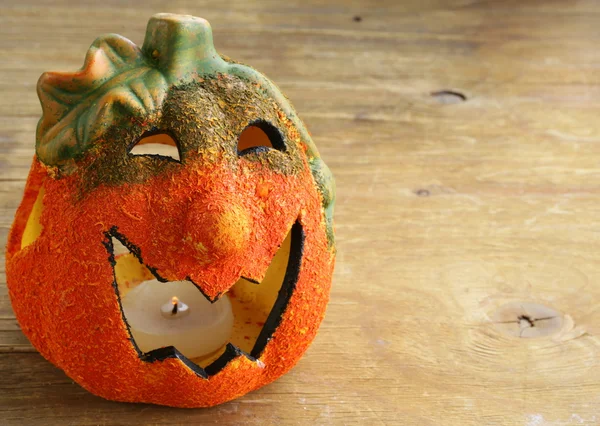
174 300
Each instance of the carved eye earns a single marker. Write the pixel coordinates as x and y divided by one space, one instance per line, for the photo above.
160 145
260 136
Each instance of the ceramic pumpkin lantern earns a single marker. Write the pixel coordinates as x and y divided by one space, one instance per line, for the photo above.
241 210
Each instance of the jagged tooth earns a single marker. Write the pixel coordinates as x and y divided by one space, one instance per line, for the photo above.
247 355
261 276
217 297
118 247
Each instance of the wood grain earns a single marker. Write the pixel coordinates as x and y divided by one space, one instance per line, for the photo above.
453 217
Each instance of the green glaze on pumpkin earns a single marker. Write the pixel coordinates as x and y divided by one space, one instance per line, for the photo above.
91 117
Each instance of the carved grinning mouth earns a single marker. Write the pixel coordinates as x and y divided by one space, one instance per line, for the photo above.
254 325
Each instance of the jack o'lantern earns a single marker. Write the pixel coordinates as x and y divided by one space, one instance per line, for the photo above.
171 171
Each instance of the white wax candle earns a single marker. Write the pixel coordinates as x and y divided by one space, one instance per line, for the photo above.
196 329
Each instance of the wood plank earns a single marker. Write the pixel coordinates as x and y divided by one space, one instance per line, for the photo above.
32 382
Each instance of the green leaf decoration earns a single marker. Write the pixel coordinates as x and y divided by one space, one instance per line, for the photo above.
116 80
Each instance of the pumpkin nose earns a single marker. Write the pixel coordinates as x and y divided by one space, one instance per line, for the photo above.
216 230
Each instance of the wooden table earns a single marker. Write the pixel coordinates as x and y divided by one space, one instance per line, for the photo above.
465 139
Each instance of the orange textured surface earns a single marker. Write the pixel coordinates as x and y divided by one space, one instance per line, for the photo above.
61 285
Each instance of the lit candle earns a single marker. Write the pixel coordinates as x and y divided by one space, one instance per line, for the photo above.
175 309
176 314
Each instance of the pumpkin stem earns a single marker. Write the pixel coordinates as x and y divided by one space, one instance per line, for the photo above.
181 46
